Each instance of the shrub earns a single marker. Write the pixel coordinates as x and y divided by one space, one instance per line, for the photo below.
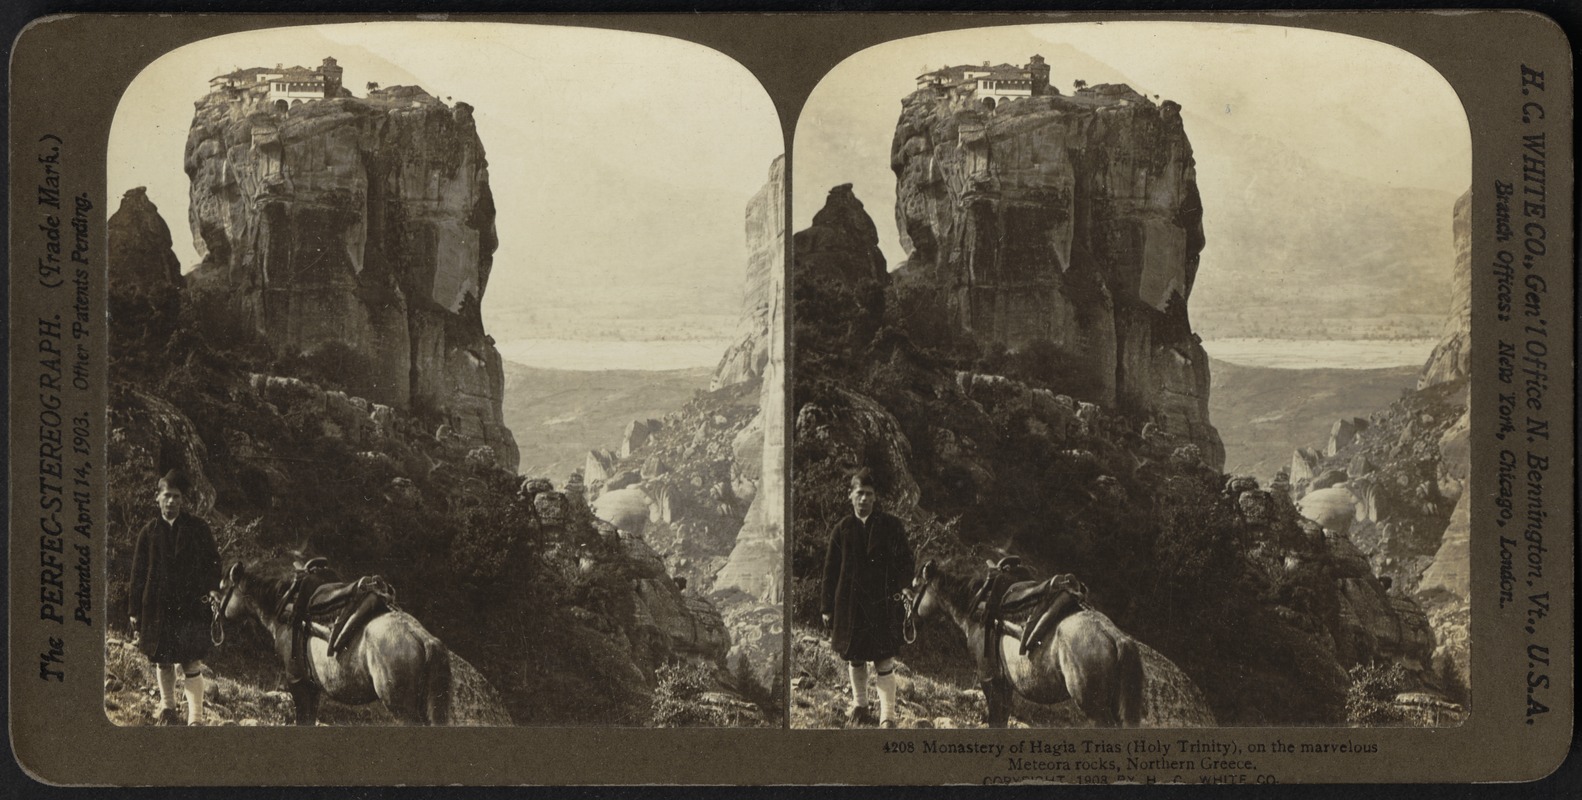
679 702
1370 697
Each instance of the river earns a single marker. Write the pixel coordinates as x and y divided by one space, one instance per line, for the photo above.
598 356
1328 354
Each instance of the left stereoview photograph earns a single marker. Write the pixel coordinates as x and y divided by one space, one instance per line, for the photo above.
445 382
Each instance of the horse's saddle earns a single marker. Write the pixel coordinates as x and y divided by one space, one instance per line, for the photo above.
1041 605
318 604
1028 610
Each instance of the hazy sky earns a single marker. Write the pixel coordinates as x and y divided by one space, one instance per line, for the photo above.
1281 114
621 163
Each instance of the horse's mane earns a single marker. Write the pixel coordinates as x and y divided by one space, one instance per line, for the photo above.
959 579
268 579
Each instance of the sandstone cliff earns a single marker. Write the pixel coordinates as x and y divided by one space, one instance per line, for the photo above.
1401 492
756 564
749 355
705 485
140 253
1451 358
366 224
1074 222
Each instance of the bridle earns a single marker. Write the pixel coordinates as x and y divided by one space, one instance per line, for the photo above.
909 622
217 625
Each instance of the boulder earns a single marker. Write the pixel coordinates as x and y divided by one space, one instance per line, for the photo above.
1236 484
1170 698
598 466
473 700
628 509
654 466
1328 478
637 434
1304 464
1360 465
1343 433
533 487
1334 508
622 479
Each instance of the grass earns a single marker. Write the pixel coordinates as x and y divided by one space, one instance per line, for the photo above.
247 691
821 695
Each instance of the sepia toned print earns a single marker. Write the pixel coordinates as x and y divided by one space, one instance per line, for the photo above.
449 329
424 378
1155 338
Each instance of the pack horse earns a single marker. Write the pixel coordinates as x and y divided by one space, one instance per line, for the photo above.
346 640
1085 657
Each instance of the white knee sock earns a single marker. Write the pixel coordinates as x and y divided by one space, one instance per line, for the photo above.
166 677
886 681
192 687
859 683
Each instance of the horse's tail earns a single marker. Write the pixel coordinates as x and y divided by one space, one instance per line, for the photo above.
436 681
1129 704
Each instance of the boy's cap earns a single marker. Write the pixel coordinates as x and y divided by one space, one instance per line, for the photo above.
178 480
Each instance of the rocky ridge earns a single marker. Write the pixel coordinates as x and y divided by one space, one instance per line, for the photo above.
288 454
360 223
705 484
1396 485
979 458
1070 222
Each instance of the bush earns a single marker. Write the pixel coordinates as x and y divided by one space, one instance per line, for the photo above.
1370 698
679 699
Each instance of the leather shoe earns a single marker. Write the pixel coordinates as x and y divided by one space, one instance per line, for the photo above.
169 716
860 716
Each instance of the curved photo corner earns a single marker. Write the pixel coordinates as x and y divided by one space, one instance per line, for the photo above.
446 357
1153 339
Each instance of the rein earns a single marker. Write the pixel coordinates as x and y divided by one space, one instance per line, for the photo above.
217 625
909 622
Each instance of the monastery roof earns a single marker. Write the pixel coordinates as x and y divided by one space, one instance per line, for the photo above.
957 74
250 72
254 73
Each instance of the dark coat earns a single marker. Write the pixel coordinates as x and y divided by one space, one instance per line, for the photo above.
867 564
174 566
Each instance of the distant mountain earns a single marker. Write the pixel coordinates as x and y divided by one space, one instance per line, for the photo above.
558 415
1298 244
1344 251
1263 413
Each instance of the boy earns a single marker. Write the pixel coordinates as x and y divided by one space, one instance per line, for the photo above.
174 565
868 563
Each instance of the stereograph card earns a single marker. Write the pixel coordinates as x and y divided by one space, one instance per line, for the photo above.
1053 398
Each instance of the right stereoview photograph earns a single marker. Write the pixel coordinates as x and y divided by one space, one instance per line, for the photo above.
1130 382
